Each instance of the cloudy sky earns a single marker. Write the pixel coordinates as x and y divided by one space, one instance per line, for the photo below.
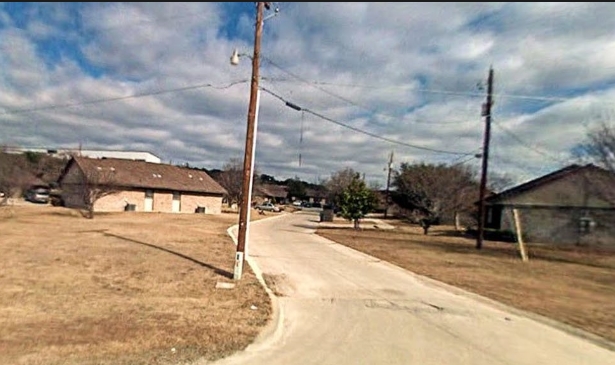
372 78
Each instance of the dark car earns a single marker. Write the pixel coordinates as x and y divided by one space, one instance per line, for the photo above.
38 194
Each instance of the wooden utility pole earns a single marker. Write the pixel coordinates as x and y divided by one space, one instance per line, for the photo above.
249 153
486 112
388 198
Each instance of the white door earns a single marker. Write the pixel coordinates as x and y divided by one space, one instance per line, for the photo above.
176 207
149 201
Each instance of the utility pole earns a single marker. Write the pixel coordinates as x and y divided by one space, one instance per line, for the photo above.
486 112
249 153
386 203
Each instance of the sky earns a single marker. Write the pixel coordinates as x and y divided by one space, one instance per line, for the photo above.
371 79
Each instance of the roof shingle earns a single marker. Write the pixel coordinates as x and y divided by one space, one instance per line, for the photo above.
147 175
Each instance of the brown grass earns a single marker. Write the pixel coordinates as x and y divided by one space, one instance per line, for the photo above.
572 285
123 288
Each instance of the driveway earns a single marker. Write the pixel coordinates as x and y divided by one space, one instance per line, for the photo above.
339 306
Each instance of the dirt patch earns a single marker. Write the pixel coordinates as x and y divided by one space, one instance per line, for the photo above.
279 284
123 288
573 285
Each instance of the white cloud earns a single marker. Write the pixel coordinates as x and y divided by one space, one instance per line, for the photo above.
406 72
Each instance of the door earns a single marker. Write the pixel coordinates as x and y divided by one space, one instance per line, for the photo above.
176 205
149 201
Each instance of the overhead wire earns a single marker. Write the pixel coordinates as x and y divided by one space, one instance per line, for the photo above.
354 103
119 98
323 117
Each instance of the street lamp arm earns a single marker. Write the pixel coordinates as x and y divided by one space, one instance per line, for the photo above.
235 57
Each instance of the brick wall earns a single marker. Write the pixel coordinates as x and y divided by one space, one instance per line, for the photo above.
162 201
561 226
117 201
212 204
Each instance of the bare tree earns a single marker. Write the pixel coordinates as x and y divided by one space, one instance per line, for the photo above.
231 179
500 181
431 193
601 146
14 176
338 182
96 184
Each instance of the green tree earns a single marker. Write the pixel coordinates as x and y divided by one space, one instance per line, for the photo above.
296 188
338 182
356 200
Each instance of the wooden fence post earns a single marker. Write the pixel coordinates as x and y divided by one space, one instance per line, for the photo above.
519 235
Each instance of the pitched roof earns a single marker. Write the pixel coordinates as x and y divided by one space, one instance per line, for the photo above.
546 179
147 175
275 191
318 192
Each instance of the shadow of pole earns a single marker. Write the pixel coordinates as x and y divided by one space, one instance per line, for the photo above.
218 271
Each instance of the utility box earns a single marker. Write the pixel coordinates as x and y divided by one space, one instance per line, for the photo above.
326 215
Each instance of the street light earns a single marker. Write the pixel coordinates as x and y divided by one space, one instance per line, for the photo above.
248 162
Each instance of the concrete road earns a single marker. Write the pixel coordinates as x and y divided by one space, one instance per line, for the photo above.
339 306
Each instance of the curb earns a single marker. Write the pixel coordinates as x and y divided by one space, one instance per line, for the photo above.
273 329
574 331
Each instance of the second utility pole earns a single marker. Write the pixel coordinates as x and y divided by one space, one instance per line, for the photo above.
483 181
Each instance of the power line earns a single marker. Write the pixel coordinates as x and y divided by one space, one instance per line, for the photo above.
349 101
133 96
521 142
437 91
296 107
462 159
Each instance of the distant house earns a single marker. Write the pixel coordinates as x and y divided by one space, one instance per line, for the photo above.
140 185
316 195
277 194
392 208
574 205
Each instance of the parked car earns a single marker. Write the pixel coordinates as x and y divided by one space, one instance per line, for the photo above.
297 203
268 207
38 194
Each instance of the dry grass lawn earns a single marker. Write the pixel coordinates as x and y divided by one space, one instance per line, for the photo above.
122 288
573 285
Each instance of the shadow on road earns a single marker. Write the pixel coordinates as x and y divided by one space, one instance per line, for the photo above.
218 271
